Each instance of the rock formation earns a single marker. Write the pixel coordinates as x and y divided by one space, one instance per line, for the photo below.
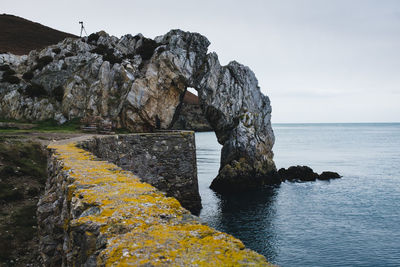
241 118
138 83
305 174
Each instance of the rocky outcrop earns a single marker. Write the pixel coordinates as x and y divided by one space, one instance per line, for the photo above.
173 67
136 82
139 83
304 174
95 214
241 118
328 175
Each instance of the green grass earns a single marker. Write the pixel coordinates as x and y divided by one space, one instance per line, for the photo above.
27 157
122 131
71 126
47 126
7 193
11 137
23 173
11 130
25 216
9 120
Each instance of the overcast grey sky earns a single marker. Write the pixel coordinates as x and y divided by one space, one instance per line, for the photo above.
317 60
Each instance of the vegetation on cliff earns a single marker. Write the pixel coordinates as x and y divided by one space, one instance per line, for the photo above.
46 126
22 177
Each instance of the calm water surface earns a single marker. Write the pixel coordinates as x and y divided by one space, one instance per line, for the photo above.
353 221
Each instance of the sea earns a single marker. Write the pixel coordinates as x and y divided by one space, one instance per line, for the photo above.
352 221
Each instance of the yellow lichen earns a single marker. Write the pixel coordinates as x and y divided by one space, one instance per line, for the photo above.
141 224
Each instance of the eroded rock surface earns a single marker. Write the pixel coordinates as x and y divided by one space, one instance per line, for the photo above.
139 83
241 118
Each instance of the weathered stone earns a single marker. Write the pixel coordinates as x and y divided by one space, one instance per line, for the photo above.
155 96
165 160
240 116
139 84
133 223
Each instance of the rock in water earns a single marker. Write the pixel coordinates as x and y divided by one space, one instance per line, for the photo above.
298 173
241 118
327 175
304 174
139 84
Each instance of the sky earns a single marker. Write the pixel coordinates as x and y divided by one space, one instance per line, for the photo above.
317 60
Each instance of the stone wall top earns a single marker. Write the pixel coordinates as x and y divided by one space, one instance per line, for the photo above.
105 216
166 160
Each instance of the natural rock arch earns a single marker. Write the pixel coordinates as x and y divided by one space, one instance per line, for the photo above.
139 84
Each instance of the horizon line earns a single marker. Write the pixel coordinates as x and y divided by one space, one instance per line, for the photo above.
385 122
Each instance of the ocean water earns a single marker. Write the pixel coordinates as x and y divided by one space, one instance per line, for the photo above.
352 221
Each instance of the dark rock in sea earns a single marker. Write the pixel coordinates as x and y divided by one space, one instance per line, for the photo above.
304 174
327 175
297 173
236 179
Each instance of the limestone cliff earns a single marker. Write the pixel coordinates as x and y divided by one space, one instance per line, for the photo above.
138 83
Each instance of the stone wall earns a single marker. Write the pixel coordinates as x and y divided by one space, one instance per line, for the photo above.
166 160
93 213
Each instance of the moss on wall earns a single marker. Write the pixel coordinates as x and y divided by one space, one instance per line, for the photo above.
111 218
